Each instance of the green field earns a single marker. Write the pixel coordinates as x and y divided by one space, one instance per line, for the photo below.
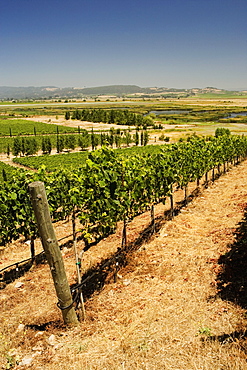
6 171
54 162
75 160
14 127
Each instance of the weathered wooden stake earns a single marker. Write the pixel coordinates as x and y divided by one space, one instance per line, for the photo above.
32 249
186 194
152 220
172 204
124 235
206 179
78 265
52 251
219 169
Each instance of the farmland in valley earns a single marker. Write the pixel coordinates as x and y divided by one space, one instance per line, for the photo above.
176 299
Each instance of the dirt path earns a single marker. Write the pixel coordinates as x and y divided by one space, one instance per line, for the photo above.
172 306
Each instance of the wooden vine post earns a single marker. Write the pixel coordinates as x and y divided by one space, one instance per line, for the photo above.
52 251
78 266
172 204
152 220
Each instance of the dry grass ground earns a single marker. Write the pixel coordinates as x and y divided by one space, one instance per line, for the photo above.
230 102
179 303
60 120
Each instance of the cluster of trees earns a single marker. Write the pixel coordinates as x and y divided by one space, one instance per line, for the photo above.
25 146
119 137
67 142
46 145
119 117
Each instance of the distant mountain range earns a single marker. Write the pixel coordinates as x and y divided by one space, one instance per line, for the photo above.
53 92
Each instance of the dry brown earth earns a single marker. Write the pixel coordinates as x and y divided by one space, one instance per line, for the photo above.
178 303
60 120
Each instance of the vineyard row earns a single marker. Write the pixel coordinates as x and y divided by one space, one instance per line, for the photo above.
108 187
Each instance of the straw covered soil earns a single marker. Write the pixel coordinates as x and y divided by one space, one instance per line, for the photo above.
179 301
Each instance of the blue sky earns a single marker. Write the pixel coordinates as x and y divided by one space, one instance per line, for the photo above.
166 43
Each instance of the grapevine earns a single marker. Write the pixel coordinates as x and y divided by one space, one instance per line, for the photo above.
109 187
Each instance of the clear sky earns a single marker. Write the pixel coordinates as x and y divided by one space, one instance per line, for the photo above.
85 43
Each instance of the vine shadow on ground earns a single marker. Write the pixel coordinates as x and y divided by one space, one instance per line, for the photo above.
232 278
16 270
106 271
232 283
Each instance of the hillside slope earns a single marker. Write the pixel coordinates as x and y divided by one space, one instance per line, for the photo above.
180 302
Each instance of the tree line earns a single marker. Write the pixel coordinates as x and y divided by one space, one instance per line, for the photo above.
25 146
119 117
